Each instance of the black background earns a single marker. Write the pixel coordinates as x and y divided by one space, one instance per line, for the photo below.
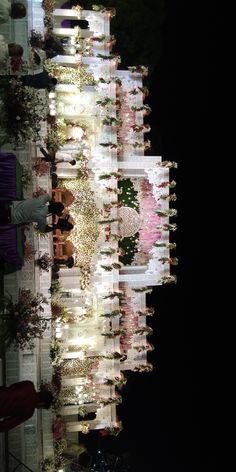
168 414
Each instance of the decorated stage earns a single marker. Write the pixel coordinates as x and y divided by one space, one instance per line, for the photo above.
118 198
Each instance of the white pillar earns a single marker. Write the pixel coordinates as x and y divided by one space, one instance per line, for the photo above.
139 162
139 279
136 269
70 282
93 424
73 409
70 14
85 33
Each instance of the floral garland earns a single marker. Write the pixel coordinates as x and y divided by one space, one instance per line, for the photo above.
112 121
116 80
110 57
78 9
116 175
142 289
146 312
112 314
144 330
167 183
167 245
115 190
111 400
112 430
168 164
114 265
168 279
139 128
69 75
114 294
112 334
170 212
169 260
170 197
143 70
144 368
146 109
146 145
108 251
168 227
110 220
106 101
144 347
111 11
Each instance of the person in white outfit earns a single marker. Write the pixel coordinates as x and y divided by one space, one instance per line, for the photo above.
11 10
59 157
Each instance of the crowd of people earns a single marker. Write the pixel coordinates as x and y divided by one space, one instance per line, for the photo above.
49 47
32 210
19 401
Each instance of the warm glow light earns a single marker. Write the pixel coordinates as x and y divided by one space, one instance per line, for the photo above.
76 133
81 341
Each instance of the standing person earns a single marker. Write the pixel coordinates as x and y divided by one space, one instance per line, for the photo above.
59 157
11 10
18 403
8 50
52 46
32 210
41 80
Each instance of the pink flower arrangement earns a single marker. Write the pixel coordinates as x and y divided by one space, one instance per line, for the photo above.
58 427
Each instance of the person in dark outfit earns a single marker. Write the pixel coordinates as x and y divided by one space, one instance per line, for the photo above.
18 403
42 80
39 81
52 46
69 262
31 210
63 157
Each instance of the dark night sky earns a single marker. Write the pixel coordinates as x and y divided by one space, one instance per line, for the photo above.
167 414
